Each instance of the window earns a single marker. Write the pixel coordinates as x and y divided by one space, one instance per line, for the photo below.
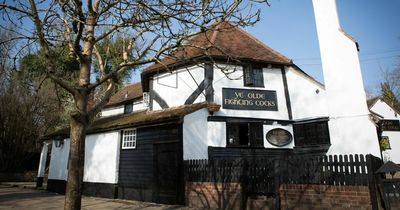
129 139
311 134
128 108
244 134
253 77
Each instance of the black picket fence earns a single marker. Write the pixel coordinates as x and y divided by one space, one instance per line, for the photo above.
262 176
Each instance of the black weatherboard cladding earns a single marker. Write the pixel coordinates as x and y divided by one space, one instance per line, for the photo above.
57 186
235 153
136 166
104 190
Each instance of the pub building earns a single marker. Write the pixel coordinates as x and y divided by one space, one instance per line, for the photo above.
387 118
239 99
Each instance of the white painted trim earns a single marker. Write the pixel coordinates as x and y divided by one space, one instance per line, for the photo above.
132 141
42 161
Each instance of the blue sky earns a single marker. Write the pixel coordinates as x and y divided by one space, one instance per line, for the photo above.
288 26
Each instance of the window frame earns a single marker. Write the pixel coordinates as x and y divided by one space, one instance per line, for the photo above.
311 134
255 140
126 110
252 79
129 143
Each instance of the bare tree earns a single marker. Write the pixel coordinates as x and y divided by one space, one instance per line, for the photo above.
392 79
390 87
149 30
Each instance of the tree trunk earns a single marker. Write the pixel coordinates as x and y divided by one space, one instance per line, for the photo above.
73 192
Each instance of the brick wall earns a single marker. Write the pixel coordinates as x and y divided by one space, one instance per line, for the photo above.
299 197
212 195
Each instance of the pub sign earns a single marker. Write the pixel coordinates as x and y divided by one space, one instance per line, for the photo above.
390 125
248 99
384 143
279 137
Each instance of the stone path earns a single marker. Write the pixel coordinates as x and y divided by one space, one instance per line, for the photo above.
20 198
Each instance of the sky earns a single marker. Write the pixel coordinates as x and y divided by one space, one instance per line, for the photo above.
288 26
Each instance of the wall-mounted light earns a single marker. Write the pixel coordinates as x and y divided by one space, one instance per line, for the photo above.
58 141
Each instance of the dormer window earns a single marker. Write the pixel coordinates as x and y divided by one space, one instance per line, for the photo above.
128 108
253 77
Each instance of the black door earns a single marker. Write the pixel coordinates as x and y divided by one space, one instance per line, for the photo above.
168 173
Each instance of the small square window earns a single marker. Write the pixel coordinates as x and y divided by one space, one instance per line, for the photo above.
128 108
253 77
129 139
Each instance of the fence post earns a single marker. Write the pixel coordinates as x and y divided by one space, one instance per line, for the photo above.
244 183
372 183
277 182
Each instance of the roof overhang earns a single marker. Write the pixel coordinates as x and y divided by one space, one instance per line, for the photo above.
138 119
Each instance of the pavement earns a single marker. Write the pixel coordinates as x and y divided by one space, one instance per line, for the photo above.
24 196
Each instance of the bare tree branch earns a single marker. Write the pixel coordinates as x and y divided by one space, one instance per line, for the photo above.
46 49
84 27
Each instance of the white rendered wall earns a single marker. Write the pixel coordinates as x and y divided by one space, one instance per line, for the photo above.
102 157
267 128
216 134
272 81
351 131
137 106
112 111
195 145
43 159
384 110
388 113
307 97
156 106
177 86
59 161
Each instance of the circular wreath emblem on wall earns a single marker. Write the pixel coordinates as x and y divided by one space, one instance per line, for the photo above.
279 137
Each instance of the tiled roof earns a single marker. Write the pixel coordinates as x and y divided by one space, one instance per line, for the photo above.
127 93
136 118
221 41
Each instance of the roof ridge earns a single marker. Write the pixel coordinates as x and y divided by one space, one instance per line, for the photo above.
263 44
129 85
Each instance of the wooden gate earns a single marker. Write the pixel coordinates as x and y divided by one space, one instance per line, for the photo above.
390 191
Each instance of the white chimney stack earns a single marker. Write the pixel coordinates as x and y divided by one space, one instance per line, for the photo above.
351 130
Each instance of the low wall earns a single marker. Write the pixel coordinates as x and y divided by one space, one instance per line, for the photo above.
27 176
213 195
331 197
210 195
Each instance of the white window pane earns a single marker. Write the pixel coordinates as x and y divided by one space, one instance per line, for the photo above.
129 139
